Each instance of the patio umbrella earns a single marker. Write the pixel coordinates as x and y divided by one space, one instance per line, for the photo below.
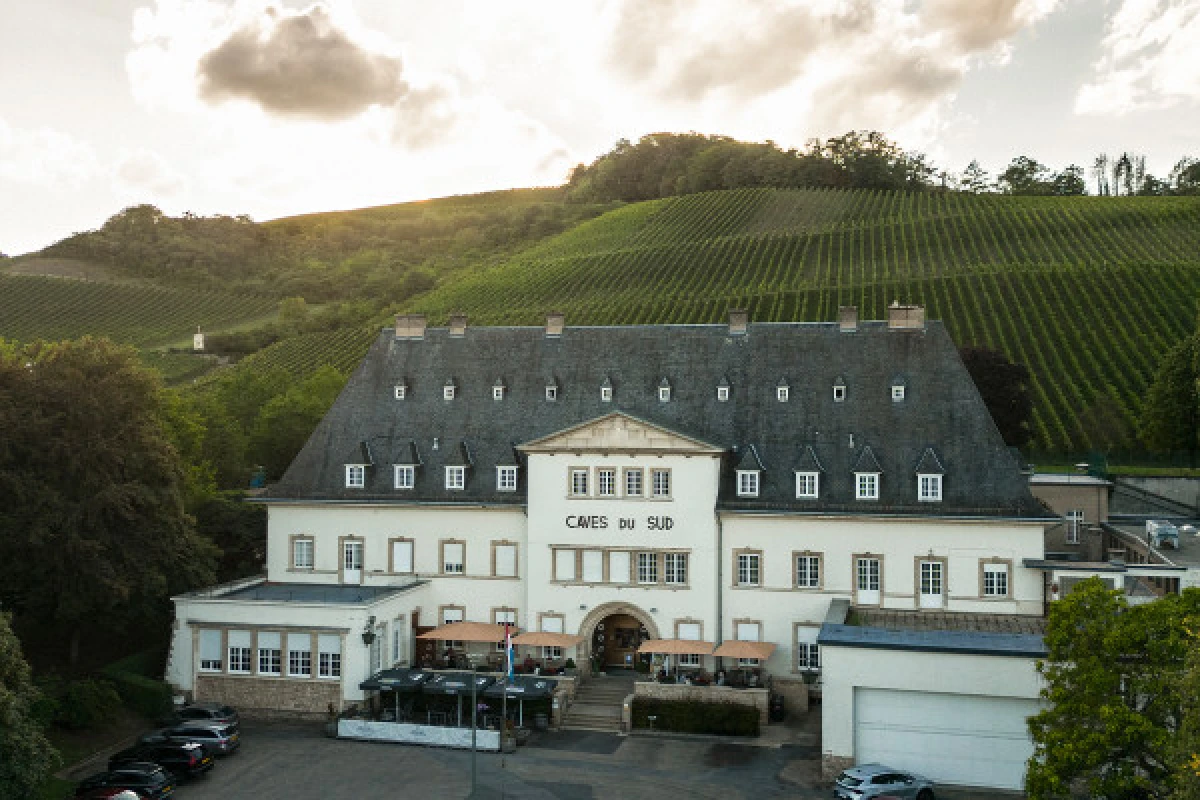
466 632
457 684
397 680
522 687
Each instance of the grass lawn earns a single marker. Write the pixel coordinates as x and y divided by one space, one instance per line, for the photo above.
76 746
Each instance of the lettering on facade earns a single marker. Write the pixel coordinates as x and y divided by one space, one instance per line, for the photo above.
600 521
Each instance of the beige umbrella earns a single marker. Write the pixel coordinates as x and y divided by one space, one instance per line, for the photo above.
466 632
734 648
677 647
547 639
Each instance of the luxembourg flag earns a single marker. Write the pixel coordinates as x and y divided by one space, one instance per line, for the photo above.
508 650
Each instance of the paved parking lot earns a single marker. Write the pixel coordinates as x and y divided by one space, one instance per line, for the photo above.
294 762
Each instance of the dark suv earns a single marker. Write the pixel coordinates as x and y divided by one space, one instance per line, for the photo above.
150 781
219 738
206 712
182 759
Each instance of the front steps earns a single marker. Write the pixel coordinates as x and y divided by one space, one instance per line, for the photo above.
598 704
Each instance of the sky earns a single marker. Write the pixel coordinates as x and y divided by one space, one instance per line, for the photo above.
271 109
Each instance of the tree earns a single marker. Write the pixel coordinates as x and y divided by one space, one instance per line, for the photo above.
1024 175
92 524
1069 181
1004 386
1185 176
287 420
26 758
1187 742
1113 675
974 179
1171 410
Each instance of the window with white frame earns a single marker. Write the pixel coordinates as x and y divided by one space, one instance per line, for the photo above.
453 614
747 483
647 567
505 616
995 580
606 482
299 655
866 485
270 648
807 484
504 560
405 476
633 482
748 632
506 479
329 656
664 394
448 391
210 651
302 553
1074 525
722 394
579 482
356 476
897 393
661 482
402 556
551 393
239 651
552 623
807 654
498 392
839 393
564 564
930 488
675 568
808 571
688 632
748 569
781 394
400 391
606 394
456 478
453 558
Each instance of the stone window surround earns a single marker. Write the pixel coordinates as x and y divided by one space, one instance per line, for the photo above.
441 566
391 554
747 621
820 570
342 541
688 621
497 610
917 561
301 537
796 668
854 576
516 558
542 615
1007 562
748 551
572 472
254 630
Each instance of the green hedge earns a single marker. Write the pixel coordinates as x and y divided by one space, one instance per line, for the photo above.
140 690
725 719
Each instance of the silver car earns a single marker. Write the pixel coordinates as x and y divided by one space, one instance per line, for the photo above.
877 781
219 738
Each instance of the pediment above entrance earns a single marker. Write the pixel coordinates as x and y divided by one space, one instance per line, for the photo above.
620 433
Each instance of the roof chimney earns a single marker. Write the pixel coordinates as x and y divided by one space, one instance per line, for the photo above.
410 326
458 324
910 318
739 320
555 321
847 319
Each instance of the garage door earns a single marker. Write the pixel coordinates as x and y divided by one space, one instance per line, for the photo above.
970 740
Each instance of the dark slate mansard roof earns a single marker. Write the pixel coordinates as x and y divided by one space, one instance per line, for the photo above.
941 420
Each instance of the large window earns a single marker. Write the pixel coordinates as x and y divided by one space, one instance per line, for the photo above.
808 571
406 476
302 553
506 479
633 482
210 651
807 655
593 566
748 569
930 488
552 623
402 556
456 477
329 662
866 485
647 567
299 655
579 483
270 661
1074 525
564 565
995 580
661 482
453 557
807 484
675 567
747 483
239 651
504 560
356 476
606 482
748 631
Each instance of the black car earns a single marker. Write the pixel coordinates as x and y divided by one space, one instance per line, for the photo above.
207 712
182 759
219 738
150 781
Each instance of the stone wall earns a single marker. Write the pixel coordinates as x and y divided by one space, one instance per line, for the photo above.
832 766
794 692
270 697
756 698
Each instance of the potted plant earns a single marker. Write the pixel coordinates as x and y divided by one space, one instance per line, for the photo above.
569 667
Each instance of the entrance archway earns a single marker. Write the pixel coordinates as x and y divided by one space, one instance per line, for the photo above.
615 630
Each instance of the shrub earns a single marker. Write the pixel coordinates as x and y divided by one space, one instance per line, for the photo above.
725 719
137 684
87 704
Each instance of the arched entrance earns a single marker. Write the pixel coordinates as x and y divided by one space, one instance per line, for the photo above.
615 631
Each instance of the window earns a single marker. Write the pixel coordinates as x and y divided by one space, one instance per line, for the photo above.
618 566
406 476
606 482
722 394
675 568
1074 524
299 655
664 394
839 393
647 567
593 566
633 483
564 565
995 580
239 651
808 571
748 565
329 656
689 659
402 556
690 632
866 485
606 394
302 553
452 557
661 482
552 623
808 656
497 392
748 632
269 650
448 391
781 394
932 579
356 476
747 483
807 484
352 556
506 479
897 393
930 488
504 560
579 482
400 391
551 393
453 614
210 651
456 477
502 616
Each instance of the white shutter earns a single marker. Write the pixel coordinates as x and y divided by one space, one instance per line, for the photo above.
402 556
807 634
564 565
239 639
689 631
210 646
618 566
747 631
453 554
593 566
506 560
299 641
552 624
452 615
506 616
268 640
329 643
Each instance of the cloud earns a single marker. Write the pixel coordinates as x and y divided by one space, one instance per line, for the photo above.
45 157
1151 59
300 63
141 172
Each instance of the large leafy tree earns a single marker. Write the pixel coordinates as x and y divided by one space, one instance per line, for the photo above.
25 755
93 530
1004 386
1171 411
1113 683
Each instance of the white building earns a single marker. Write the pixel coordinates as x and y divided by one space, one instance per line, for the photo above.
712 482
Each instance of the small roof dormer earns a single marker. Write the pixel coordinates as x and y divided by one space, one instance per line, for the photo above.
498 389
449 389
899 388
664 390
930 464
839 389
782 392
552 389
723 389
606 390
866 461
460 456
808 460
750 460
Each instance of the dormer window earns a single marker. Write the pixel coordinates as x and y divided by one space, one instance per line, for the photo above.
866 485
664 391
498 391
606 391
897 392
400 391
356 476
929 488
456 478
506 479
551 393
781 394
839 391
808 484
448 391
405 476
747 483
722 394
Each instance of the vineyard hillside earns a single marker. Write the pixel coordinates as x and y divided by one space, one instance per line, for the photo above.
1088 292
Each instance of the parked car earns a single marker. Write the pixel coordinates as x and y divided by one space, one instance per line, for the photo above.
182 759
219 738
209 712
107 793
149 781
876 781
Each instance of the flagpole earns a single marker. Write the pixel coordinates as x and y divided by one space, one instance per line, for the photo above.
508 663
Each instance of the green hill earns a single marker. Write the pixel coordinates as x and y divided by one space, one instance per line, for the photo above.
1088 292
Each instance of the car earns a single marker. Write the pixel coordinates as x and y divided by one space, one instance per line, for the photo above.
182 759
877 781
210 712
108 793
219 738
149 781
